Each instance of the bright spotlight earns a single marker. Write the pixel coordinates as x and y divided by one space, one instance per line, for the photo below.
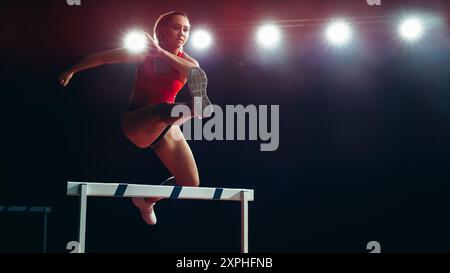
411 29
268 35
201 39
338 33
135 41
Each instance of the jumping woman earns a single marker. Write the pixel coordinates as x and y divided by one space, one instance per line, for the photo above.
161 71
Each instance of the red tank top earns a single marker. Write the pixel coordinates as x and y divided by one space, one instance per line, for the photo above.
152 88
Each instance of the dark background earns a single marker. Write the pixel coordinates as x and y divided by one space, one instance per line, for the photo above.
364 131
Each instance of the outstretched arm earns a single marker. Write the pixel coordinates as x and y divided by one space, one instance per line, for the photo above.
181 64
119 55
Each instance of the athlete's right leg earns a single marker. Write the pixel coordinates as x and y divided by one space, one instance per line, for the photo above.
174 152
143 126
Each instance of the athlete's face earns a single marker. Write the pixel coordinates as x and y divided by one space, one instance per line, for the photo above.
176 32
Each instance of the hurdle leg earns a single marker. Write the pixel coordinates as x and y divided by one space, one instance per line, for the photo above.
82 225
45 231
244 222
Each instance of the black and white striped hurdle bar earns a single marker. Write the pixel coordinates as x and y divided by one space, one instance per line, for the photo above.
24 209
31 209
85 189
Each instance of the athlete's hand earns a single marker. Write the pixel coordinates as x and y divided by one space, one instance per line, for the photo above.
65 77
153 48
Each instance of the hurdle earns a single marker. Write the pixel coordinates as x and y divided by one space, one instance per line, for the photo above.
31 209
85 189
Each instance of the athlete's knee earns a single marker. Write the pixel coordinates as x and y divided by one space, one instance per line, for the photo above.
195 182
191 181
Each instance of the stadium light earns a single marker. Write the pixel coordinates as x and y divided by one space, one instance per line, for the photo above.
411 29
135 41
268 36
338 33
201 39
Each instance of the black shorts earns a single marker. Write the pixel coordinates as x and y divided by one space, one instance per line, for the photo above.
132 107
